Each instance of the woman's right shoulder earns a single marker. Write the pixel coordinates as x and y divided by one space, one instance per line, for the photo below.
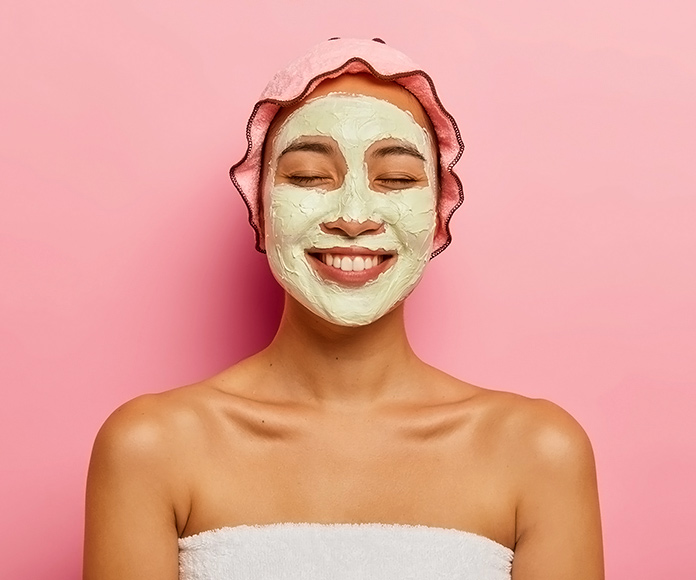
154 423
138 485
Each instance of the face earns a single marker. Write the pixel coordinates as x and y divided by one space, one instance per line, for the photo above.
349 204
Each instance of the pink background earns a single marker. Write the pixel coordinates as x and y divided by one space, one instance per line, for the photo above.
128 266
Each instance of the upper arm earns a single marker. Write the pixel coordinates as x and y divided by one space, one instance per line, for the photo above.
130 525
558 524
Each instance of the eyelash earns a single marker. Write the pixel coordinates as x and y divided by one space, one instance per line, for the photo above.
305 179
400 180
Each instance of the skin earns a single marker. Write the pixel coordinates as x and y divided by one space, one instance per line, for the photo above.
365 433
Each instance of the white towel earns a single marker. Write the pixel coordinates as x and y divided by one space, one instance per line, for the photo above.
308 551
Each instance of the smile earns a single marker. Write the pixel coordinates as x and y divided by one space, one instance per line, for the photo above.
351 263
350 266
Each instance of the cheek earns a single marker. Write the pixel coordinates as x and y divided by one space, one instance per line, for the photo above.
412 215
294 214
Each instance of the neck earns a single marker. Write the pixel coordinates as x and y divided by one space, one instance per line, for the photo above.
327 363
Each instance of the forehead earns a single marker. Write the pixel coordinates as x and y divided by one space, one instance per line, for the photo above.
354 122
360 84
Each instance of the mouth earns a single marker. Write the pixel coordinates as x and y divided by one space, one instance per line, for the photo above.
352 266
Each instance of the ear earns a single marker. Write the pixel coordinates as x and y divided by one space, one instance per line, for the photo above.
439 224
261 231
260 219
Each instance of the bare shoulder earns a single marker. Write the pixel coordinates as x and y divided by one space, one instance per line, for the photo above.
144 422
138 490
517 430
535 430
180 423
554 441
547 460
153 428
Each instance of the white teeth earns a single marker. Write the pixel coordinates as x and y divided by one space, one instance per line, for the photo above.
352 263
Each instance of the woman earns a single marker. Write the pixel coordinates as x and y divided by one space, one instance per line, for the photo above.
335 452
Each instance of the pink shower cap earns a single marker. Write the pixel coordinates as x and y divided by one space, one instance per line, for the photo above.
330 59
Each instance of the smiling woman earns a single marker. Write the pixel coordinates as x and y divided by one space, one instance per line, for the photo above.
351 177
336 452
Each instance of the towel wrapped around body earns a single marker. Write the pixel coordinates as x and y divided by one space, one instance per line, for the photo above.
308 551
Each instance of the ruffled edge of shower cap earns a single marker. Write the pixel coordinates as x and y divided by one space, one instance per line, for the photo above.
330 59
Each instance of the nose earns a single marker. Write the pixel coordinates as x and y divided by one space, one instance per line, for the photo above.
352 228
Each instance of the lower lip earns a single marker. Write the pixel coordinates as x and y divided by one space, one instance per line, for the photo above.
349 279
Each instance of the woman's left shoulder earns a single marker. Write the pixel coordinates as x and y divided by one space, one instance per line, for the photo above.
536 430
546 461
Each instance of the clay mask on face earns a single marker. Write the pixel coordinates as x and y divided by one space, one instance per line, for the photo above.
389 259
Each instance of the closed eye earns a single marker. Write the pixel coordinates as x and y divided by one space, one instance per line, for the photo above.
307 179
397 182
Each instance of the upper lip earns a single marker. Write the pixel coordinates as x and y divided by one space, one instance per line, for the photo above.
350 251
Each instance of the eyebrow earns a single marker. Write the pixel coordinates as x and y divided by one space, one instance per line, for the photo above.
312 146
402 149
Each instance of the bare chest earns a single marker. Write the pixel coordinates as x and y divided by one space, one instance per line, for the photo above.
352 471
